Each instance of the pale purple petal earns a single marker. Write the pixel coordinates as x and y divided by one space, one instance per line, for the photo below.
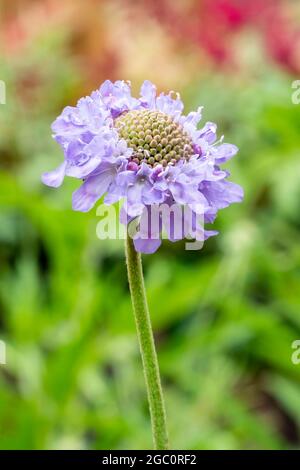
146 246
148 94
187 194
209 132
55 178
152 195
224 152
173 222
221 194
117 97
191 121
210 233
167 104
91 190
134 206
147 240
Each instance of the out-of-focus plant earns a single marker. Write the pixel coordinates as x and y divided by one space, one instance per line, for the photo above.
72 378
214 27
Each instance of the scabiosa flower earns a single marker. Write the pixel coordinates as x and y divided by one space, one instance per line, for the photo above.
146 152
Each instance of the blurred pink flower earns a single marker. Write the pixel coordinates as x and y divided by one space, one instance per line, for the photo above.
213 25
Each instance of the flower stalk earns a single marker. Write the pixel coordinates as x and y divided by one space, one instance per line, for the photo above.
147 346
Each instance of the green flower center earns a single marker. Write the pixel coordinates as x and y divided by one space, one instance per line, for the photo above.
154 137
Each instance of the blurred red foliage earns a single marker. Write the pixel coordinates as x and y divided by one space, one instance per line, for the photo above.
211 25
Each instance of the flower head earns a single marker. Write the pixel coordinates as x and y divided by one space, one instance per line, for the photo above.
146 152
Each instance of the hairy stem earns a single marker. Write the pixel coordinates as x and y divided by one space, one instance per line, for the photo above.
147 346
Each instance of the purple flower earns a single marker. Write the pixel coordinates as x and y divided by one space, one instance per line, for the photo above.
145 152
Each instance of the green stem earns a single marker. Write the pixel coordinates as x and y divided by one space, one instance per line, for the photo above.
147 347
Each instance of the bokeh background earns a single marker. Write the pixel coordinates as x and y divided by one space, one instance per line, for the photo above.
224 317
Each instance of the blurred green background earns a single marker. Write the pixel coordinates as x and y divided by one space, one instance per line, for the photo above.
224 317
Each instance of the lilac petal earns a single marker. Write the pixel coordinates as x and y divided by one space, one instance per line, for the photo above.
201 235
149 223
134 205
161 185
147 238
157 173
192 119
194 225
117 97
221 194
188 194
67 121
86 108
126 178
91 190
224 152
118 188
147 246
214 174
144 170
124 217
100 151
55 178
151 195
106 88
114 194
173 222
179 193
74 148
210 215
167 104
85 169
148 94
203 169
210 233
208 132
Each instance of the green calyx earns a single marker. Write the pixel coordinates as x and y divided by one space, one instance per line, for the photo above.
154 137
